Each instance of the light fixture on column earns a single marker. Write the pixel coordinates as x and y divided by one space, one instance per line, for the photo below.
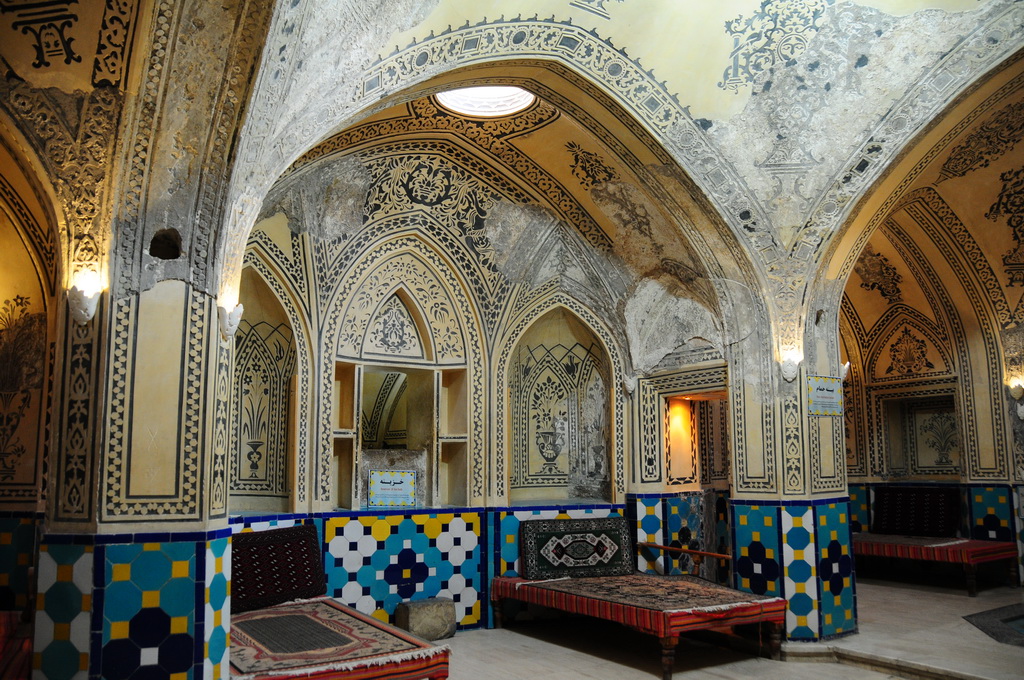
1016 386
229 320
84 295
790 364
844 370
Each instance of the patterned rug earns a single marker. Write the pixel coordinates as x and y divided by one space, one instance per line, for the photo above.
553 548
660 593
1005 624
324 639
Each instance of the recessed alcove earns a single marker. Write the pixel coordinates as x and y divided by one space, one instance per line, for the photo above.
559 413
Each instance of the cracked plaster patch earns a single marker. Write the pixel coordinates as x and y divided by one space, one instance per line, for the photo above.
658 323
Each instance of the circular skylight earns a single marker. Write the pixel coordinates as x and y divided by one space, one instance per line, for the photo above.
487 101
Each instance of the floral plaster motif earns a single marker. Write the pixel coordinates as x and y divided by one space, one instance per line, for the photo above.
22 352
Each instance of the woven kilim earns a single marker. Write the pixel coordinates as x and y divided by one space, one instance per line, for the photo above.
553 548
324 639
658 605
275 566
957 550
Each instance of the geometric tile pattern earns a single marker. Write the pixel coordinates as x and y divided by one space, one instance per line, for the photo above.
991 513
17 549
835 570
63 612
650 527
263 525
688 524
374 562
800 579
217 611
149 610
860 499
756 548
507 539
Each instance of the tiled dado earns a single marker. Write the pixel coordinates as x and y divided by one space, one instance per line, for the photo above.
143 605
690 520
375 561
17 551
800 551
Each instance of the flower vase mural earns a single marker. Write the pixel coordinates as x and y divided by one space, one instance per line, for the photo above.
548 413
22 351
560 420
265 363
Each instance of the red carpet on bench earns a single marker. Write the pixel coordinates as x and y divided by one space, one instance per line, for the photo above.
323 639
957 550
658 605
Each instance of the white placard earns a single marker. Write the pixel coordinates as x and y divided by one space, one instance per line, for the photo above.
392 488
824 395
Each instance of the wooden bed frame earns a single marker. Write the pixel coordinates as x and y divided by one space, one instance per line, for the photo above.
278 566
921 523
589 596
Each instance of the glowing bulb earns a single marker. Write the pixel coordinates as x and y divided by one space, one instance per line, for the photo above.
84 295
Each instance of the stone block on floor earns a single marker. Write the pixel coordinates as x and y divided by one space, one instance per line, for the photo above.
430 619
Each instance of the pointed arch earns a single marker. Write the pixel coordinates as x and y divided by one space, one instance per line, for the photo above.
506 346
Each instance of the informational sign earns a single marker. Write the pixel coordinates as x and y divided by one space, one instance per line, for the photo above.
392 488
824 395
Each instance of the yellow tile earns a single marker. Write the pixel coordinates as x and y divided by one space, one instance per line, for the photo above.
218 616
510 539
65 572
121 572
218 565
798 521
62 631
828 619
768 521
179 624
842 518
743 552
37 661
755 535
23 559
745 583
407 573
179 676
5 579
150 546
977 499
769 553
83 662
743 520
179 569
118 630
86 603
801 587
838 601
150 598
834 536
801 620
798 554
6 538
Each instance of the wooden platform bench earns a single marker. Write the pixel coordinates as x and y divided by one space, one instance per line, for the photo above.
922 523
587 567
283 625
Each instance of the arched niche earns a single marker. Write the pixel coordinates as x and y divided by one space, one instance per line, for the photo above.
559 413
263 398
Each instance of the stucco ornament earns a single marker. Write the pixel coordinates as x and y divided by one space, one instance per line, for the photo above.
658 323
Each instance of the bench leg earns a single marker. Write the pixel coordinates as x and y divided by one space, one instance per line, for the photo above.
668 655
775 640
971 571
498 607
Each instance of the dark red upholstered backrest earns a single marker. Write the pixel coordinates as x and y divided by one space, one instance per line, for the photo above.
274 566
916 510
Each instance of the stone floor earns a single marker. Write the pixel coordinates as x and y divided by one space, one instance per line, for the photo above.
907 630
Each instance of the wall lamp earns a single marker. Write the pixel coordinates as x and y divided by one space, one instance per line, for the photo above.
84 295
229 320
790 364
1016 386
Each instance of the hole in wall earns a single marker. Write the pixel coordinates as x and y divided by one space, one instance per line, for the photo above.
166 245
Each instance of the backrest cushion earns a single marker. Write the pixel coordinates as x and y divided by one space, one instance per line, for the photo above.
556 548
275 566
916 510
